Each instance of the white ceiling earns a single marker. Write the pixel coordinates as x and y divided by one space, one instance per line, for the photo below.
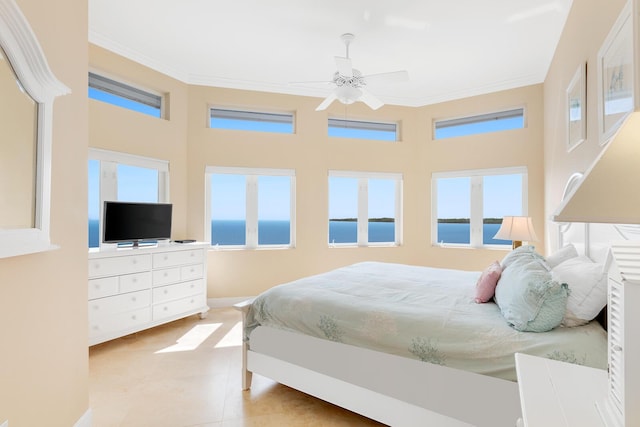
451 48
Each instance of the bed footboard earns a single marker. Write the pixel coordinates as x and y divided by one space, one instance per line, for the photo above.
243 307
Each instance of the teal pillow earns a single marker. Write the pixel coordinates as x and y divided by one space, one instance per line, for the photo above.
529 299
526 252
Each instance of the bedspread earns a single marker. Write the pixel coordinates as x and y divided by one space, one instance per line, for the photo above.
417 312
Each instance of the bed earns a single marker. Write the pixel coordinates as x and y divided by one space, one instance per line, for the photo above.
408 345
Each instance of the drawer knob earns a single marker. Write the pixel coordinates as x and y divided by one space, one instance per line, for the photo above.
192 254
96 307
166 257
166 291
135 261
135 280
192 286
97 287
133 317
166 274
165 308
133 299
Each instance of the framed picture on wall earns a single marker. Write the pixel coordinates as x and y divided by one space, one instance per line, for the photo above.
616 76
576 108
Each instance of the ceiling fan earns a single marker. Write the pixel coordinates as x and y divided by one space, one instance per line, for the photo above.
350 83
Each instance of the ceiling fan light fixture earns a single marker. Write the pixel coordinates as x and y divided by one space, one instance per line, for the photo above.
348 94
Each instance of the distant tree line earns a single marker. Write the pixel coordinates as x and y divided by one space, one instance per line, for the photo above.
370 219
466 220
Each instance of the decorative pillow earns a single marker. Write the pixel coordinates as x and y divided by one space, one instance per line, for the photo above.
527 252
486 285
588 284
561 255
529 299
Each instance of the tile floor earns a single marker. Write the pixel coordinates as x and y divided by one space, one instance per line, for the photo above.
187 374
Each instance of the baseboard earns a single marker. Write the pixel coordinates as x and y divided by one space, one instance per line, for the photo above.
225 302
85 419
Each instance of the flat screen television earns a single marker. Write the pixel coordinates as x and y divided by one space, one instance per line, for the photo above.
136 222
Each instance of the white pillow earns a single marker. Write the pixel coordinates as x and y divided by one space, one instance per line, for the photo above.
561 255
587 289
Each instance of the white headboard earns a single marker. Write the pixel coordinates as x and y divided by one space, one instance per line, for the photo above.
592 239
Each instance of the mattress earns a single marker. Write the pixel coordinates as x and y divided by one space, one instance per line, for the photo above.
422 313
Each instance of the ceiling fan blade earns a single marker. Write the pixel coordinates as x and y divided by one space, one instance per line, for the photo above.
394 76
368 98
327 101
344 66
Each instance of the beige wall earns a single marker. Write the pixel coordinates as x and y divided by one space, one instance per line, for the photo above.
43 310
587 26
311 153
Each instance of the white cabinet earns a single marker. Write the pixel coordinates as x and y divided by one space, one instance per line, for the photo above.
137 288
559 394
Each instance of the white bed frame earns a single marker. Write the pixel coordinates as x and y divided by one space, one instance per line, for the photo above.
395 390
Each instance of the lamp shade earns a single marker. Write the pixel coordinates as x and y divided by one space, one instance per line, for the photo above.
607 193
516 228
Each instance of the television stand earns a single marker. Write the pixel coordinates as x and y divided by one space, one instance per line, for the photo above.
134 290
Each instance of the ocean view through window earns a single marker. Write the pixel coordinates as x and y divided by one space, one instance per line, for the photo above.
364 208
468 206
251 208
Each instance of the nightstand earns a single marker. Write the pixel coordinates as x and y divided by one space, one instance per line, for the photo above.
554 393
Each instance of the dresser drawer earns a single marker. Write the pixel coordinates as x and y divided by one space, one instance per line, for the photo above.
100 288
135 282
100 267
119 322
191 272
173 308
166 276
175 258
119 304
177 291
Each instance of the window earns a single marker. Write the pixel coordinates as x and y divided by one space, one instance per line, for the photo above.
482 123
364 130
251 120
251 208
122 177
468 206
364 208
123 95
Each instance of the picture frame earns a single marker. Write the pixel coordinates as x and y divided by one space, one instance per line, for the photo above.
616 75
577 108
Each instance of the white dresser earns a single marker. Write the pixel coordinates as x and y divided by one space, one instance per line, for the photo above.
131 289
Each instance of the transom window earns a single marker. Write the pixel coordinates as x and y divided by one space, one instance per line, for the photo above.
122 177
365 208
481 123
250 208
120 94
363 129
468 206
251 120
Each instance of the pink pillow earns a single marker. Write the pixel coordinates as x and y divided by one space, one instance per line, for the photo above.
486 285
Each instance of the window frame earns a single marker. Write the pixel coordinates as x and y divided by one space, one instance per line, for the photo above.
252 214
363 207
255 116
476 202
104 82
108 187
478 118
367 125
